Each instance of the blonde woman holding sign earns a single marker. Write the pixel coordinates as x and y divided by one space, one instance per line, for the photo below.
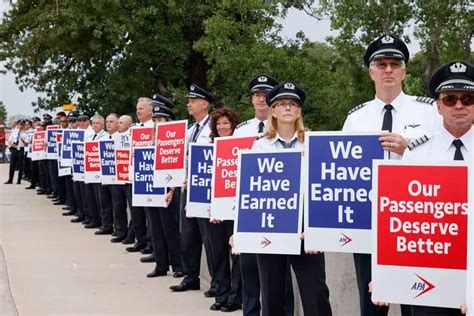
286 130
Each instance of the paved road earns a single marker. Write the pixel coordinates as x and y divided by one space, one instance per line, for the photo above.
59 268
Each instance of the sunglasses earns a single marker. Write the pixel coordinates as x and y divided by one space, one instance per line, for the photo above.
451 100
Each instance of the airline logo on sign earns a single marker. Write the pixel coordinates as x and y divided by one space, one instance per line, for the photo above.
265 242
344 240
421 286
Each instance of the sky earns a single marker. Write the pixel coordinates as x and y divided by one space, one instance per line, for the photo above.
18 102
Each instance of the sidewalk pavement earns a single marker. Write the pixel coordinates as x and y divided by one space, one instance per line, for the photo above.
59 268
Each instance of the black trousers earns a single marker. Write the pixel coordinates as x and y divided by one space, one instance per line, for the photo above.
26 166
193 236
310 275
34 172
226 266
106 207
164 229
138 219
79 199
85 204
93 202
61 190
435 311
363 269
44 178
70 194
16 162
53 176
119 208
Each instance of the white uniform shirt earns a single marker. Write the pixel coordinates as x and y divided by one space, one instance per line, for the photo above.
410 118
88 133
100 135
275 143
250 128
148 123
440 147
203 133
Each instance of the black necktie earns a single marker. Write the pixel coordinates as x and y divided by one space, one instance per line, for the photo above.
287 145
142 124
387 118
196 133
110 136
261 125
95 135
458 154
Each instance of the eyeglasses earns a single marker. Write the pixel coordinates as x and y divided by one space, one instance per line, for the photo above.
393 64
452 100
291 104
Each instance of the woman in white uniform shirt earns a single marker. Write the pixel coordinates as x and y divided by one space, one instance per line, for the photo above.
286 130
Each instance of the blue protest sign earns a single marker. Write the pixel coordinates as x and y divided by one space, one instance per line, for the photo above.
338 197
107 161
51 148
270 202
199 180
70 136
62 169
144 194
78 161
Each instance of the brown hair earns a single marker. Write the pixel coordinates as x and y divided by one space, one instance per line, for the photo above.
272 126
233 117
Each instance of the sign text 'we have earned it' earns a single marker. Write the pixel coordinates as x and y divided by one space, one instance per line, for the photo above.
143 192
338 197
170 159
420 229
269 205
198 196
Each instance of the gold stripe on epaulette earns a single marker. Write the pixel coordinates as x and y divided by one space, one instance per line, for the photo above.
360 106
427 100
417 142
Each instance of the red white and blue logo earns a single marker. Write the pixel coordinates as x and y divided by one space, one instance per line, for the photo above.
421 286
265 242
344 240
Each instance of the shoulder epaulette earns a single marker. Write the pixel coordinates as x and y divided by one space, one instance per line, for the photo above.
427 100
360 106
242 124
415 142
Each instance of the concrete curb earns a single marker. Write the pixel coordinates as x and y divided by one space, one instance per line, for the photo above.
7 303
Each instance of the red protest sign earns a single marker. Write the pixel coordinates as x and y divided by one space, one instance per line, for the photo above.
224 175
91 157
49 127
39 142
2 136
420 232
421 219
59 137
122 158
225 163
170 154
8 133
141 137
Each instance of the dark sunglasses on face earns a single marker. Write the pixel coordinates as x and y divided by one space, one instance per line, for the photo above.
451 100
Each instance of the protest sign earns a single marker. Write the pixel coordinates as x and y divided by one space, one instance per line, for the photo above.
78 161
140 136
420 229
91 162
107 161
144 194
338 201
470 248
122 160
224 176
51 140
170 160
8 133
269 202
70 136
198 198
62 170
38 147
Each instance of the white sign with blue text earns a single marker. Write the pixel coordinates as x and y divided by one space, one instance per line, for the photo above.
107 161
70 136
62 170
269 202
338 190
143 192
198 202
78 162
51 147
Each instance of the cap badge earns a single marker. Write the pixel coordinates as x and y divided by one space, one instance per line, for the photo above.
289 86
387 39
156 109
262 79
458 67
192 88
